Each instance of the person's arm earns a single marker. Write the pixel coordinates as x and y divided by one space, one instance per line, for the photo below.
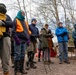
14 28
43 33
49 35
17 40
8 22
58 33
66 31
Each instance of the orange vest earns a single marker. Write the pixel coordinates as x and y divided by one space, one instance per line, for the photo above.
19 27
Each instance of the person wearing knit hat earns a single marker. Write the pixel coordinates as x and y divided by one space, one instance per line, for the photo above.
5 24
3 8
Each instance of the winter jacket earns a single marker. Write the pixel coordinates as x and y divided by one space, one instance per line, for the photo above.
22 35
8 24
44 36
34 32
62 34
74 33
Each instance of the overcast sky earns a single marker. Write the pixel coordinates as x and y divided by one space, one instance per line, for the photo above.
11 12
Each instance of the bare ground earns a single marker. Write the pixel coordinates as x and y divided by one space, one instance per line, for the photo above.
52 69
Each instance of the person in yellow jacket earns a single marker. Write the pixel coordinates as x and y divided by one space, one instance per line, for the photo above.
21 38
5 43
2 28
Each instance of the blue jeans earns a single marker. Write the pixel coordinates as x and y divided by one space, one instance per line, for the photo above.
19 51
63 50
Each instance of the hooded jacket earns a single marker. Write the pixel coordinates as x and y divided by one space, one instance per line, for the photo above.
62 34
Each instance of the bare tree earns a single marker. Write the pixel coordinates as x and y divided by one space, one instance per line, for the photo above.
19 4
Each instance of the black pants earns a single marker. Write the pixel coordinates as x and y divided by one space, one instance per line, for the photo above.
30 56
39 54
12 48
75 44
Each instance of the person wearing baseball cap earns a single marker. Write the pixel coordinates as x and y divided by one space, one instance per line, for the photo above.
5 24
33 37
33 19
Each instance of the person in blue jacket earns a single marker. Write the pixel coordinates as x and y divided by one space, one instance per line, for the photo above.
62 36
74 37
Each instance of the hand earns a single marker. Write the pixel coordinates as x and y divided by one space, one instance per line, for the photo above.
17 40
65 32
1 23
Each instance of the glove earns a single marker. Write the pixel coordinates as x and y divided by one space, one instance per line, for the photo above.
65 32
17 40
1 23
28 42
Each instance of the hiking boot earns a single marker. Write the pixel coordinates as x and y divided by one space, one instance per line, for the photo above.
42 59
46 63
67 62
27 66
32 66
38 60
51 62
17 68
60 62
34 62
22 67
6 73
13 66
17 73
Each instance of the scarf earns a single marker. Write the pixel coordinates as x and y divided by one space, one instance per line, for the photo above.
20 16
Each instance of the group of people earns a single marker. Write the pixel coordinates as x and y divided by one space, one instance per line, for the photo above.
17 37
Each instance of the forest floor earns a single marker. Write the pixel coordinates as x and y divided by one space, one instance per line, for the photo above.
52 69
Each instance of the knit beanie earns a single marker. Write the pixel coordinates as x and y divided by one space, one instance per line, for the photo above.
3 8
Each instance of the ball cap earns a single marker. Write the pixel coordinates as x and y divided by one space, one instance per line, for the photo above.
33 19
